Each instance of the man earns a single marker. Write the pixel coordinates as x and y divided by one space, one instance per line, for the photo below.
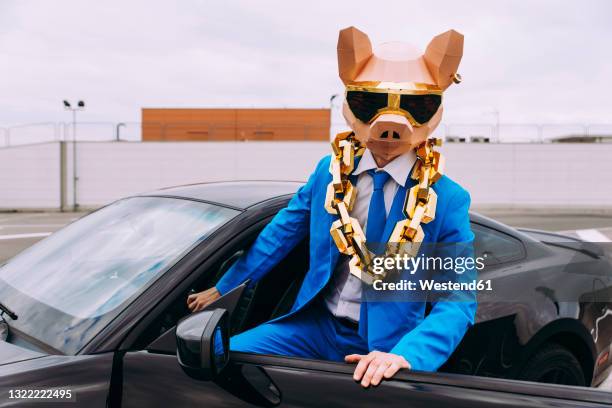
393 103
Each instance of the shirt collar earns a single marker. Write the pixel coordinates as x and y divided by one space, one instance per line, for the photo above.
398 168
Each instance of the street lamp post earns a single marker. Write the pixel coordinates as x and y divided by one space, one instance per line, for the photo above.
79 107
118 130
331 115
495 113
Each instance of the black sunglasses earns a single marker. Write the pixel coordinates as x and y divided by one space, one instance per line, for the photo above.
419 109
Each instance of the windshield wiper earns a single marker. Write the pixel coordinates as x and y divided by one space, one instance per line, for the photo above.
5 310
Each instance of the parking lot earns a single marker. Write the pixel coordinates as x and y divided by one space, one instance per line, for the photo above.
20 230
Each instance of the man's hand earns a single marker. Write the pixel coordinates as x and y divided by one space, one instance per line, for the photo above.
198 301
373 367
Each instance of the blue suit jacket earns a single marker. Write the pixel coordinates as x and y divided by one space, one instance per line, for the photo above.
399 327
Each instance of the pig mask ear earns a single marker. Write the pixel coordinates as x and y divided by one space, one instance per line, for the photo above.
354 50
442 56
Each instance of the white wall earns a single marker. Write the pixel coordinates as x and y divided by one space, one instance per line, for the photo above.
30 176
497 175
539 175
108 171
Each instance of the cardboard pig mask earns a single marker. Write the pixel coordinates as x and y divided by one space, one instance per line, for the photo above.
393 98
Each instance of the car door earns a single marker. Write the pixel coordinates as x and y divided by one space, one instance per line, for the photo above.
308 383
153 377
156 380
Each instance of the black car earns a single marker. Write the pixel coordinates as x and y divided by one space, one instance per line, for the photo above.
94 311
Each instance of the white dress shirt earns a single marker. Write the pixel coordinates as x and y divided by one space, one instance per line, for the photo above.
343 298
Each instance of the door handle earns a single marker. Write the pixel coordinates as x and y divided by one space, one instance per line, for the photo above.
261 381
251 384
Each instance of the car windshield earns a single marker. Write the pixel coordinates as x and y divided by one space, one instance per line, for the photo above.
67 287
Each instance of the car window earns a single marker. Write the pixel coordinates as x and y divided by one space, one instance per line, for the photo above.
71 283
206 278
495 246
271 297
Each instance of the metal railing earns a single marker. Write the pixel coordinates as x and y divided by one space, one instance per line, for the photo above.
192 131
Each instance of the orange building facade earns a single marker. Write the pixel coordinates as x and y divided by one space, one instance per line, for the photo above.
176 124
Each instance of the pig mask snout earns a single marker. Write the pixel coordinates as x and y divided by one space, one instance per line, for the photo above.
391 127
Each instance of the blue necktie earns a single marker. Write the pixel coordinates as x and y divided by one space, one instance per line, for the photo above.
377 215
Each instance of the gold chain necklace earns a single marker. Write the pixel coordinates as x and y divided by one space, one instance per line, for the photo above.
419 205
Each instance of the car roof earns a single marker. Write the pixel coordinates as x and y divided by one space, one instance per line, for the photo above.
235 194
247 193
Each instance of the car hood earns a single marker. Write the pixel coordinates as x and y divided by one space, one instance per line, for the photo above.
9 353
566 241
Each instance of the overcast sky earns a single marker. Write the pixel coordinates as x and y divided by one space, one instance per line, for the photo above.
534 61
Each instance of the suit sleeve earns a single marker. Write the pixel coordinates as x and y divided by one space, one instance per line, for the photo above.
275 241
431 343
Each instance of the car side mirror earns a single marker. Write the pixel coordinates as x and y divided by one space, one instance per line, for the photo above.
202 341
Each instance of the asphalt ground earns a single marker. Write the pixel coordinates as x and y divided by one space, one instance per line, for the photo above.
18 231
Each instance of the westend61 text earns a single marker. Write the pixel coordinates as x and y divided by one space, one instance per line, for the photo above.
433 285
